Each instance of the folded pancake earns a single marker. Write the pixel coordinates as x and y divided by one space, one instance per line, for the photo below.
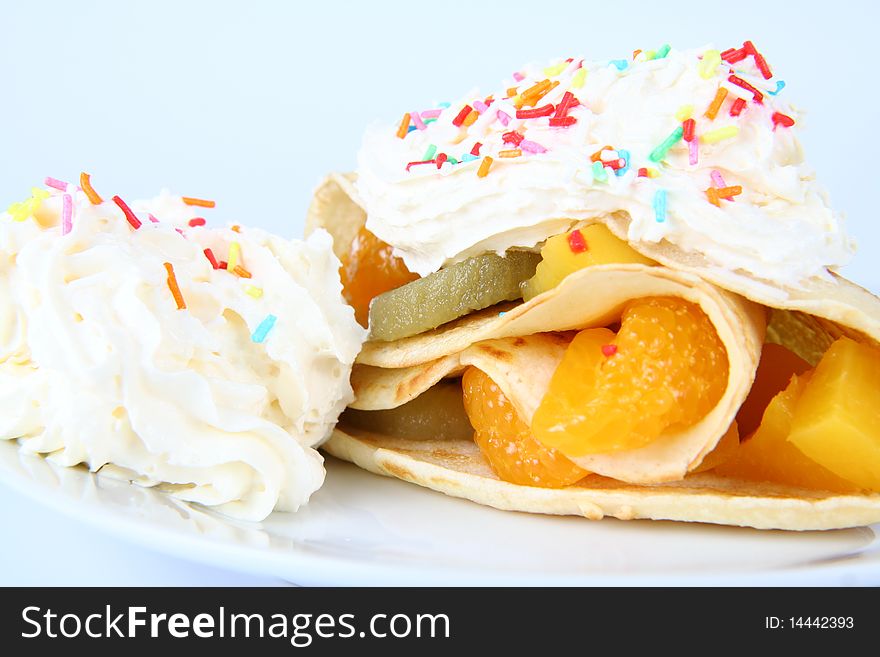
709 235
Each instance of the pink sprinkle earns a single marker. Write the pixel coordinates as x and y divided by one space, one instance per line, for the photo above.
609 350
180 231
693 155
717 179
431 114
417 120
504 118
531 146
519 77
480 106
66 214
153 219
56 184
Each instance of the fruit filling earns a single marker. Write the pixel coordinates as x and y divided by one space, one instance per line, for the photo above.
369 269
507 442
665 369
583 247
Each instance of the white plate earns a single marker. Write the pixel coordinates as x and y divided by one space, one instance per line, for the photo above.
364 529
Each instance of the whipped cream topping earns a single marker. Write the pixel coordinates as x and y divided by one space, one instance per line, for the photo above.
780 227
99 366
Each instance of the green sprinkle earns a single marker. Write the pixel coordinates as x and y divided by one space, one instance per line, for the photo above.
663 51
660 152
427 121
599 173
429 154
451 160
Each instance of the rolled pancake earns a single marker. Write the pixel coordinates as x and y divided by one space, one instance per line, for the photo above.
651 482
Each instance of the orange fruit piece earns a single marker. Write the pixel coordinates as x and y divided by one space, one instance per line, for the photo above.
506 441
369 269
775 370
666 368
769 456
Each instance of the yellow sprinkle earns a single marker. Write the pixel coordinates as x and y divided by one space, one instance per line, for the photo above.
255 292
28 208
653 173
19 211
552 71
39 194
719 134
517 101
649 55
709 64
684 113
578 80
234 256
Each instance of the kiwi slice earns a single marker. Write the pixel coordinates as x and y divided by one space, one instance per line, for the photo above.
438 413
457 290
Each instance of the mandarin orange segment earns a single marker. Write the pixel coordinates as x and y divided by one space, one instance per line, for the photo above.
768 455
506 441
775 370
665 369
369 269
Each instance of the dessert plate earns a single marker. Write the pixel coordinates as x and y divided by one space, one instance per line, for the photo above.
360 529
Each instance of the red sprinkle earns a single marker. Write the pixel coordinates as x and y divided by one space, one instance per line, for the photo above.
756 95
609 349
688 127
643 172
440 159
780 119
737 107
222 265
512 137
196 221
209 254
576 241
462 115
734 55
133 220
412 164
536 113
568 101
476 149
614 164
562 122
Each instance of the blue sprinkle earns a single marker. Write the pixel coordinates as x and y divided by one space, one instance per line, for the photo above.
660 205
780 85
469 157
444 105
621 64
410 129
624 155
260 333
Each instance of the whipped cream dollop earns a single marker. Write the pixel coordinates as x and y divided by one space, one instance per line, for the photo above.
425 193
222 402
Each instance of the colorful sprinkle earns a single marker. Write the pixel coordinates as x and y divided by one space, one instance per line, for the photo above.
643 172
624 160
760 62
519 77
467 157
512 152
196 221
578 79
430 152
200 202
129 215
688 127
432 114
86 184
684 113
470 119
780 119
417 121
729 192
209 254
693 152
66 214
717 180
538 112
260 333
255 292
715 105
757 96
152 218
599 173
662 51
738 106
60 185
720 134
504 117
576 241
404 126
175 289
412 164
512 137
780 85
484 167
660 206
609 350
440 160
562 121
553 71
709 64
620 64
532 147
476 149
234 255
461 116
241 271
660 152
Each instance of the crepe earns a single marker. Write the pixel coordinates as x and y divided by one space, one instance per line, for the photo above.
514 345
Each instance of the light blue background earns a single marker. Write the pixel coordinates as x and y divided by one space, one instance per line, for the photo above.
250 103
